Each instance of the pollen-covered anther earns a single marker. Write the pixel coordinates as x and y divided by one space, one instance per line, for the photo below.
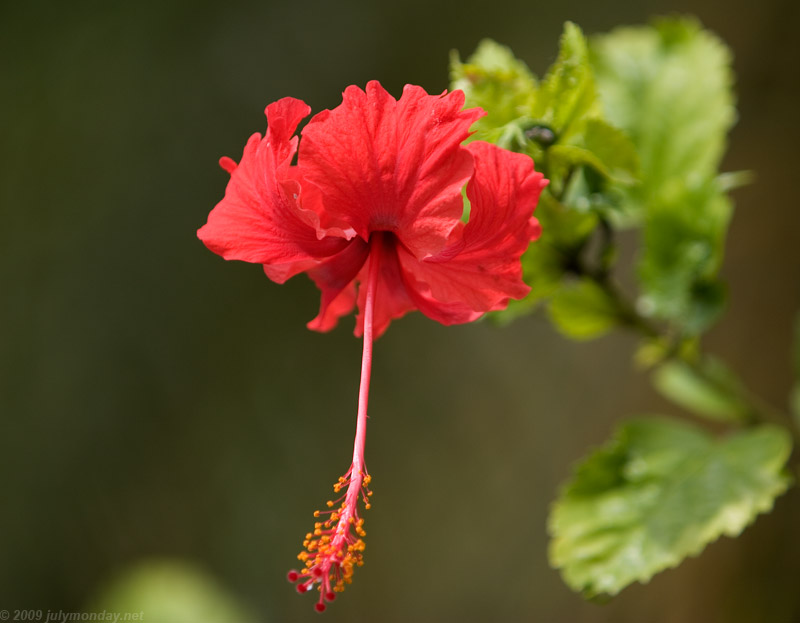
336 546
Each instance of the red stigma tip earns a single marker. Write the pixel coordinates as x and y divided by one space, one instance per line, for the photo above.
320 607
330 595
301 588
293 576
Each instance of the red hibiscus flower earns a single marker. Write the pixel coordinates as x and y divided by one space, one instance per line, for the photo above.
373 212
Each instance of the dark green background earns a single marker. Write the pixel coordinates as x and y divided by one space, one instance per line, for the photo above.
157 401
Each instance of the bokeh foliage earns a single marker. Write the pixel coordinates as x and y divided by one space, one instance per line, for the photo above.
630 129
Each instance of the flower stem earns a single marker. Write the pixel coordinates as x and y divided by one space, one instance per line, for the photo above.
759 410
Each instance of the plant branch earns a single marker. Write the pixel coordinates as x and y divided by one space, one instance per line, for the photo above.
759 410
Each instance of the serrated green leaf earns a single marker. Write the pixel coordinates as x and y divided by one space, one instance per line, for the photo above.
614 149
600 147
583 311
563 158
683 248
713 391
567 95
495 80
668 86
658 492
707 302
564 228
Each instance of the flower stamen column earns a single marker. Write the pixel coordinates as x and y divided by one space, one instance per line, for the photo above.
336 546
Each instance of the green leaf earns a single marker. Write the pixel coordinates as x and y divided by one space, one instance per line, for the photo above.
713 391
568 95
564 228
563 158
614 149
683 247
495 80
583 310
658 492
707 302
668 87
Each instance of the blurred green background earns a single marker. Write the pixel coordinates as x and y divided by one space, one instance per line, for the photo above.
160 404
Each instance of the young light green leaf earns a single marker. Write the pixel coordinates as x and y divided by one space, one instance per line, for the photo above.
614 149
564 228
495 80
658 492
563 158
583 311
712 391
669 87
683 247
568 95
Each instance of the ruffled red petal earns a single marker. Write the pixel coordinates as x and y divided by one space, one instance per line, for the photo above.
480 269
392 301
392 165
335 277
260 220
379 180
340 279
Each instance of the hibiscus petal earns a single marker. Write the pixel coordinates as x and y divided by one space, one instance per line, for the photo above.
480 268
342 280
388 165
444 313
392 301
259 219
335 277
